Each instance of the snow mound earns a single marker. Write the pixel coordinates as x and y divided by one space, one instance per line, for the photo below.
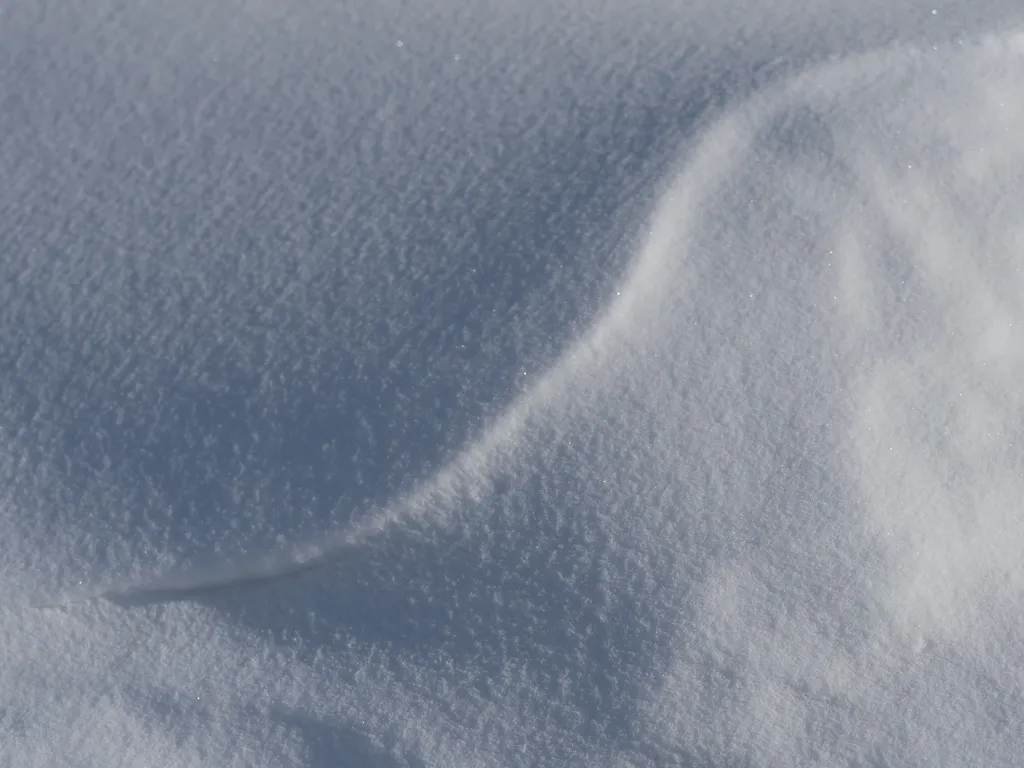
763 511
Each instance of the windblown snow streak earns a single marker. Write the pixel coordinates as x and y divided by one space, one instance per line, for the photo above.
750 496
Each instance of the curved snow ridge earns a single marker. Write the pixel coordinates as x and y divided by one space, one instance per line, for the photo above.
901 225
640 319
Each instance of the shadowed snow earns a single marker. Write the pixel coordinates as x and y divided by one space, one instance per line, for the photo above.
558 387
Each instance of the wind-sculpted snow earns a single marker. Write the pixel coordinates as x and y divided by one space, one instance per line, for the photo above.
254 291
338 469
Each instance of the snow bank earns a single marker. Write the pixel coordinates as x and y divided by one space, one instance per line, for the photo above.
347 471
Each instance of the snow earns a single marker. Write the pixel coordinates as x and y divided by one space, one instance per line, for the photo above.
511 384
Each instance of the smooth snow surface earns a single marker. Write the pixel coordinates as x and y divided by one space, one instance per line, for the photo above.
520 384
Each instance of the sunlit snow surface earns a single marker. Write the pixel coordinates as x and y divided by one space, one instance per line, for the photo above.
510 386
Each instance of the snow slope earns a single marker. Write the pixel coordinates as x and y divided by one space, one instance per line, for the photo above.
530 384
